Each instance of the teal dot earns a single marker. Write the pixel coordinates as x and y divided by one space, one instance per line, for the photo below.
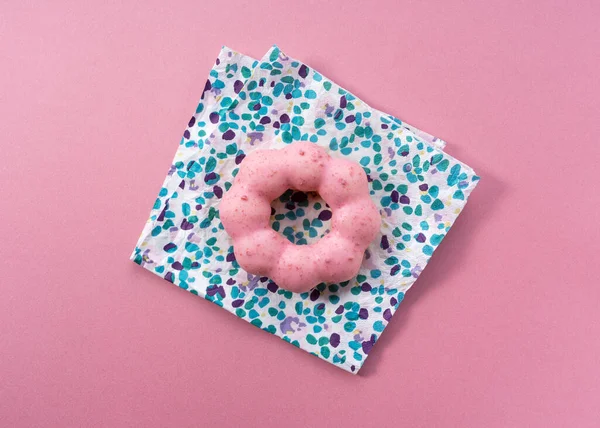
352 316
390 261
436 239
354 345
437 205
350 326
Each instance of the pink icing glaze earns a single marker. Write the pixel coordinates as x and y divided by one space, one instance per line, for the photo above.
246 209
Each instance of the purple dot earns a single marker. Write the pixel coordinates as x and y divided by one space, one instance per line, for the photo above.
170 277
272 287
214 117
239 158
186 134
186 225
404 199
366 287
325 215
421 238
237 86
394 270
367 346
303 71
276 124
237 303
230 257
343 102
340 310
210 176
349 119
229 135
218 192
387 315
230 281
257 107
363 314
334 340
299 197
265 120
423 187
177 266
169 246
192 122
393 301
384 242
395 196
314 295
284 118
384 126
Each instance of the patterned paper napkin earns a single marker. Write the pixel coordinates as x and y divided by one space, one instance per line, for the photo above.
249 104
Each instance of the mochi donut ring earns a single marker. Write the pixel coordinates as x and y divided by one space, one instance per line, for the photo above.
245 211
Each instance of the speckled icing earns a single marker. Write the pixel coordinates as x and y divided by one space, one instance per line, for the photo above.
266 174
249 105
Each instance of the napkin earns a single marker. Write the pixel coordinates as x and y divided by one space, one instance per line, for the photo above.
251 105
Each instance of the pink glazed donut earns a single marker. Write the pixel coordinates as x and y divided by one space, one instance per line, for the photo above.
264 175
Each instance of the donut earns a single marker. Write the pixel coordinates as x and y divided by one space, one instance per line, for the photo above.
264 175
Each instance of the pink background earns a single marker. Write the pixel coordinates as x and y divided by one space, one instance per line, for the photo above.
501 330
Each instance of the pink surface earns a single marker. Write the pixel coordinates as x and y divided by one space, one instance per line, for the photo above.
502 329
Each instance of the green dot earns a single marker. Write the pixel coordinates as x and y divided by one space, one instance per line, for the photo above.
437 205
286 137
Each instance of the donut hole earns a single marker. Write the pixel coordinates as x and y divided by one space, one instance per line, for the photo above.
301 217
